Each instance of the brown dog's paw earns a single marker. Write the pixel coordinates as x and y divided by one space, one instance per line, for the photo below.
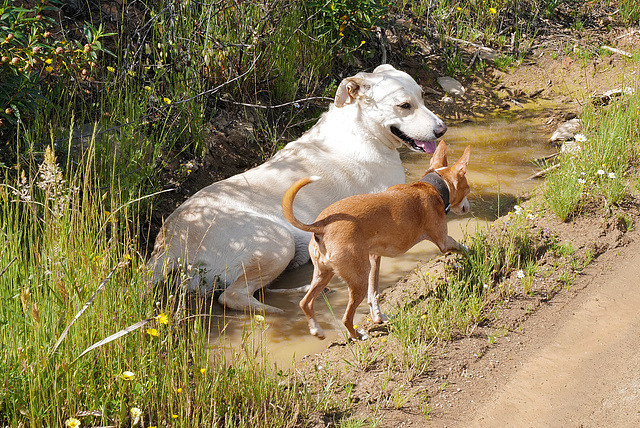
360 335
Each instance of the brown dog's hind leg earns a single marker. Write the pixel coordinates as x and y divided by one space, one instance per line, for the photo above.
355 272
356 296
321 277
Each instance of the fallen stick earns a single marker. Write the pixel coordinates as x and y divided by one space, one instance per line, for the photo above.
466 42
617 51
544 172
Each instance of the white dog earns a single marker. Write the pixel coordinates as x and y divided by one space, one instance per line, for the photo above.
232 234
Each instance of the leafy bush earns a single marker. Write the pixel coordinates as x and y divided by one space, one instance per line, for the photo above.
347 24
30 56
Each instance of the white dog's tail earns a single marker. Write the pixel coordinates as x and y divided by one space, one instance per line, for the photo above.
287 205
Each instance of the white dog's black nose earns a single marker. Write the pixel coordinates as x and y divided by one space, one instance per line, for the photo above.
440 129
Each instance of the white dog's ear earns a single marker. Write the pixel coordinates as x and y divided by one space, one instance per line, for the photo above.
384 67
351 89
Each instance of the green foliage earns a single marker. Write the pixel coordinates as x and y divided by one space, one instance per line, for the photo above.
347 24
503 62
509 245
630 11
31 57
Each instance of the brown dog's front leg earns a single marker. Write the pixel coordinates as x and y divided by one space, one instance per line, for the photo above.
373 292
450 245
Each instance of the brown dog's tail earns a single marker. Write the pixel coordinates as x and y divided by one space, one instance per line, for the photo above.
287 205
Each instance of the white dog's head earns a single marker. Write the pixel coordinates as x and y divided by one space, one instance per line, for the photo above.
391 103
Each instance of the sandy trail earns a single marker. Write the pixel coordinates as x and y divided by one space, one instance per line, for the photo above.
584 366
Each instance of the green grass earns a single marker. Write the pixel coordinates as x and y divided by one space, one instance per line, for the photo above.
599 174
63 251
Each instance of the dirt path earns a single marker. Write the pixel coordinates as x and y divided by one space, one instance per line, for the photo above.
575 364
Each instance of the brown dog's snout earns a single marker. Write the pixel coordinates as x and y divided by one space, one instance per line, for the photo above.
462 208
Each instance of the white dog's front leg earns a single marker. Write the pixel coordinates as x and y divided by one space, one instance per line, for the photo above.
373 295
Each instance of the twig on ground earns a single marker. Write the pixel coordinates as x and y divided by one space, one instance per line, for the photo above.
466 42
617 51
544 172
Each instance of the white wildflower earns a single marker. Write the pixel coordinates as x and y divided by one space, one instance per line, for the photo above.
520 274
600 172
581 138
612 175
136 414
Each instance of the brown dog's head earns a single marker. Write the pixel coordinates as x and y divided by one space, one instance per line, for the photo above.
454 175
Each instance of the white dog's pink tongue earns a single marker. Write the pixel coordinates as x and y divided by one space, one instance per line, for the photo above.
427 146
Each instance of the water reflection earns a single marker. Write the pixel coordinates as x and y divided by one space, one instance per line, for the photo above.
501 162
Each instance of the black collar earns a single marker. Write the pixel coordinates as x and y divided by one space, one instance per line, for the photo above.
441 186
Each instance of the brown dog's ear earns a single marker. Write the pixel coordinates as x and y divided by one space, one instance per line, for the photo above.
461 165
351 89
439 157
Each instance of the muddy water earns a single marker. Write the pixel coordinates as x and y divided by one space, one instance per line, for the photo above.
501 155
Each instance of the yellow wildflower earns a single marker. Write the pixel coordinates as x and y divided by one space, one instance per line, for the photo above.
203 370
166 100
493 10
152 332
127 375
111 69
72 423
163 318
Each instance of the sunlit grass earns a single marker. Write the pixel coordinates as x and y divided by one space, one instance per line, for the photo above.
598 174
83 337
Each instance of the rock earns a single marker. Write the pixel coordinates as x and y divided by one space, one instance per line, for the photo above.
566 130
425 48
451 86
570 147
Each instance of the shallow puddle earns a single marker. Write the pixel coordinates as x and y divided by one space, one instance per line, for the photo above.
501 163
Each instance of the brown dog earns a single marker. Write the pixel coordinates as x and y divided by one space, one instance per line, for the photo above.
350 235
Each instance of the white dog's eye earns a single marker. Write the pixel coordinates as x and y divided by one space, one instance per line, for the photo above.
405 106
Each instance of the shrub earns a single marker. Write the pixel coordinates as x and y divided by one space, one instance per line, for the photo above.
31 55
